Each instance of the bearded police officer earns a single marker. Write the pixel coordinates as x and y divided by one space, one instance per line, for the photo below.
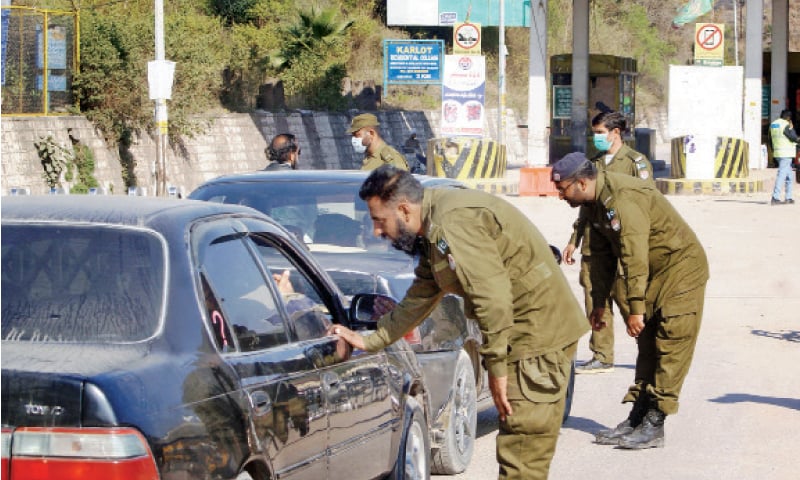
368 141
613 156
665 273
478 246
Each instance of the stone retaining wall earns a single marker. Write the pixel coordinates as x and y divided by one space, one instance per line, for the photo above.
232 143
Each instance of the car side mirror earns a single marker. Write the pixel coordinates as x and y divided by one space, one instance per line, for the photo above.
367 308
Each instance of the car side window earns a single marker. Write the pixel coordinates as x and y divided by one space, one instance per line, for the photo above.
242 296
306 309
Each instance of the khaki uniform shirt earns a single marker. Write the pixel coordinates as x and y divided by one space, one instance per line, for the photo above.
627 161
485 250
385 154
634 224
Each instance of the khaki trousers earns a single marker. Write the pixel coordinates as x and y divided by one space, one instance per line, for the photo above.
537 390
601 342
666 348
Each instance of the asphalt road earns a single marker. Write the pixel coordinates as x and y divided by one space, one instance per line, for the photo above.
739 415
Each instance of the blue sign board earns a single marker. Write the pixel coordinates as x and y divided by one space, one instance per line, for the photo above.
412 61
4 32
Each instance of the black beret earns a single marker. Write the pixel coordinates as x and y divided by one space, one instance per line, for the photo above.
567 166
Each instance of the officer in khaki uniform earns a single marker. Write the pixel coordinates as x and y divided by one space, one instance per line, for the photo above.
478 246
614 156
368 141
666 270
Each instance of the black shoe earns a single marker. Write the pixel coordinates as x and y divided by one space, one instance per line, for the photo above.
649 434
775 201
790 201
594 366
627 426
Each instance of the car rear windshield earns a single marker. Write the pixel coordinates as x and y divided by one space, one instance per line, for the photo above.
80 283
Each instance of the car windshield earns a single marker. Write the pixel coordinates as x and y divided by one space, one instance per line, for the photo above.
328 217
80 283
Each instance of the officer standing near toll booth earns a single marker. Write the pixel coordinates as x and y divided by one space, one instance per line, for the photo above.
367 140
665 270
608 127
478 246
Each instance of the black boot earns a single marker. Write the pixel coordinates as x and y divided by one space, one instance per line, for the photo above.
611 437
650 434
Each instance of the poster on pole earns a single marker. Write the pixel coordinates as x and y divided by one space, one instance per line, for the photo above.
463 95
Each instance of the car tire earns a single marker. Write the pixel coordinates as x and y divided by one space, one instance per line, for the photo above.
413 460
570 394
459 438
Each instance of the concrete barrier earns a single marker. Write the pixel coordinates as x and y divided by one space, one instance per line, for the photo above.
479 162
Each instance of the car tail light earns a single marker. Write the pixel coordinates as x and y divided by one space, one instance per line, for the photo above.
5 451
413 337
76 453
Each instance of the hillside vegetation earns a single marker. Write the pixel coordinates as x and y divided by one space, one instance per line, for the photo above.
226 50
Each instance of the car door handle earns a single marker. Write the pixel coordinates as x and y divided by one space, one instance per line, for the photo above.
260 401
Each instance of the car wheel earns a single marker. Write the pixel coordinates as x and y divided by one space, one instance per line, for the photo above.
413 460
459 439
570 393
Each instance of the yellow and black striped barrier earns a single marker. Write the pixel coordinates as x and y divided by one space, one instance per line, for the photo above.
478 162
730 158
731 170
721 186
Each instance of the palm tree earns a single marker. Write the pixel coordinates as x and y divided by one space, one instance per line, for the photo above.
314 32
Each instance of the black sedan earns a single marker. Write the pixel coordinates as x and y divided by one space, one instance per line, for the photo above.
173 339
323 209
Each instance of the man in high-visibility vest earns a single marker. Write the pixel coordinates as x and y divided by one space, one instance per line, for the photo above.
784 148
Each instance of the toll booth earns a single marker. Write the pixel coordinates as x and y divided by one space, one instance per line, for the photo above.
792 98
612 85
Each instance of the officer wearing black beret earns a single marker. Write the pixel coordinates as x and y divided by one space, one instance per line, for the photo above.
665 272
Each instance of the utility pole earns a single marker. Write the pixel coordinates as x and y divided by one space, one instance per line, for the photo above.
538 147
161 106
501 77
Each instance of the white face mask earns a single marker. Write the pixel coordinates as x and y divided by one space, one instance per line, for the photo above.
357 145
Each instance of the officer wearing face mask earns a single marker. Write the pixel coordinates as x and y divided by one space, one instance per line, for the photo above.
368 141
617 157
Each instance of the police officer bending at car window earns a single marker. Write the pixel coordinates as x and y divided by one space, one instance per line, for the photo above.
665 273
283 152
473 244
